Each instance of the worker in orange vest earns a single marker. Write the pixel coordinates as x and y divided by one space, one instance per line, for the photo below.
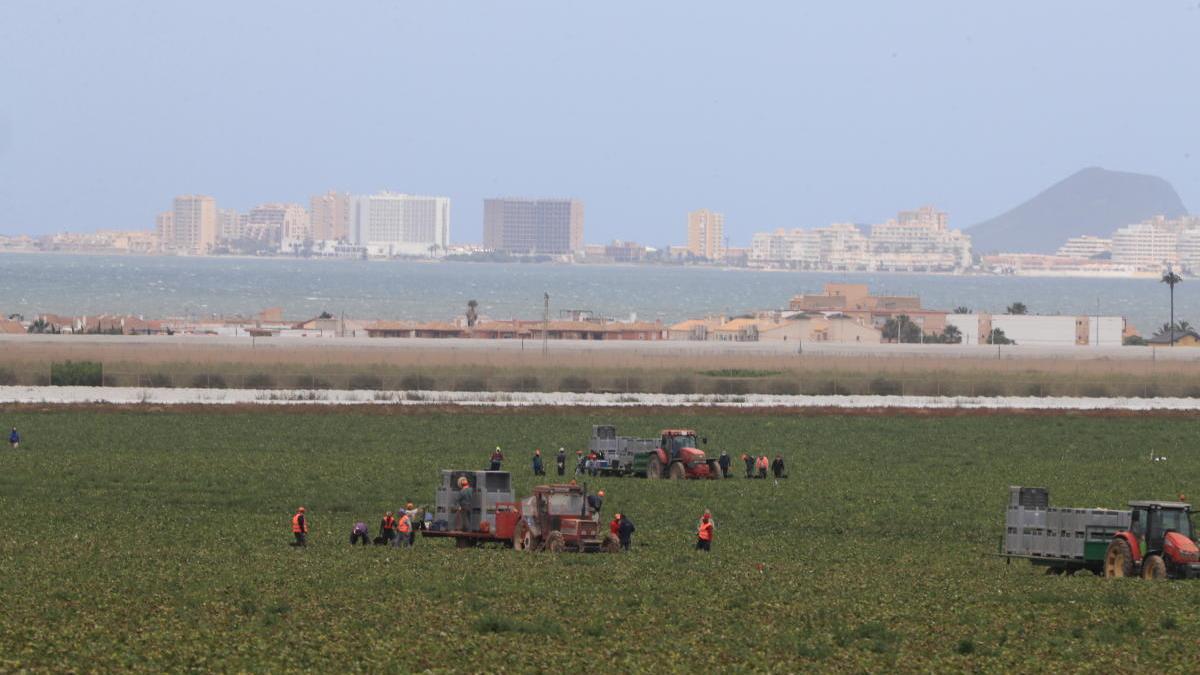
300 528
763 465
403 529
615 525
387 528
704 534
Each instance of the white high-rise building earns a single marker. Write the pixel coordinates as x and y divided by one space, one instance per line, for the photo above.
398 224
920 240
1149 245
1086 246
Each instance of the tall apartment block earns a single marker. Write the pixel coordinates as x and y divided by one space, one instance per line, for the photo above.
537 226
164 229
193 224
398 224
330 215
706 234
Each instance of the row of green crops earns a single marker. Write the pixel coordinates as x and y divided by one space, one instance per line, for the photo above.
157 540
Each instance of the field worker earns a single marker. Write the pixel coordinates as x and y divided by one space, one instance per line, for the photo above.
560 461
462 510
359 533
403 530
14 439
596 501
704 533
416 519
625 531
763 464
387 528
777 466
723 462
579 461
615 525
300 528
537 463
497 457
749 465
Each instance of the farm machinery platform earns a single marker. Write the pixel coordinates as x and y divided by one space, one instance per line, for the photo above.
555 518
675 454
1152 539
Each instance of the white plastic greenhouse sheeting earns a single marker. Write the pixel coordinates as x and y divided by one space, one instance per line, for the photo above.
152 396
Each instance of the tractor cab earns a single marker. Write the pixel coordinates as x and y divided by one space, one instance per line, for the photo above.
681 444
1159 544
1152 521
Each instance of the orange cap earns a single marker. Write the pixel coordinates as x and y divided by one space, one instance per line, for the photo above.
601 493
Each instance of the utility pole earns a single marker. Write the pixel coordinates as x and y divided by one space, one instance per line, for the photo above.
546 325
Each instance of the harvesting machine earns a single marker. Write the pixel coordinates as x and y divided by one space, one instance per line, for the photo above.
554 518
1153 539
675 454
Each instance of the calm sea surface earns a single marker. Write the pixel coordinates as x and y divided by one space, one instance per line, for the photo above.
166 286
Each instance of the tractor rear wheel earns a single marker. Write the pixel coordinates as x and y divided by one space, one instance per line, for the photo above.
555 542
714 470
677 472
654 468
611 544
1153 567
1118 560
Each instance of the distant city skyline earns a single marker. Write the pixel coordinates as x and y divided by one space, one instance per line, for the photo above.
805 116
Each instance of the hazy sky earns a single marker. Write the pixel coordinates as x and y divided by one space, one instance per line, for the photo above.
780 114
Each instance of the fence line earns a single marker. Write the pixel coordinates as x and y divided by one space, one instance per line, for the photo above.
611 381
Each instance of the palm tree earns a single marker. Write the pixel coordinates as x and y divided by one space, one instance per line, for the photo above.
1170 279
961 309
1016 308
471 314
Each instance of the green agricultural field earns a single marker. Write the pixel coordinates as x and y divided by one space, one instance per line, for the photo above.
157 540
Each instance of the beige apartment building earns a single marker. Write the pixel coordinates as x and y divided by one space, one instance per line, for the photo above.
193 225
330 214
164 227
706 234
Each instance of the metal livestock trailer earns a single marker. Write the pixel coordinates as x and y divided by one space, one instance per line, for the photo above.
1060 539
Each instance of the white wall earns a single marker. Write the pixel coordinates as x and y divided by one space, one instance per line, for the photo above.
1029 329
1112 330
967 324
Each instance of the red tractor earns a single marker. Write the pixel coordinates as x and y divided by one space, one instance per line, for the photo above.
677 457
557 518
1159 544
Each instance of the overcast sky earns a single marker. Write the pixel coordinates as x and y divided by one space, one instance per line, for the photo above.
780 114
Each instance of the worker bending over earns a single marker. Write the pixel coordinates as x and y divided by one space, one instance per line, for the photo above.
360 533
497 457
596 501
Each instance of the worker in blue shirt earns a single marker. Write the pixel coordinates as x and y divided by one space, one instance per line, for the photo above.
14 439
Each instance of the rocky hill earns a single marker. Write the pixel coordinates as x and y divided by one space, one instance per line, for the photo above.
1092 201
